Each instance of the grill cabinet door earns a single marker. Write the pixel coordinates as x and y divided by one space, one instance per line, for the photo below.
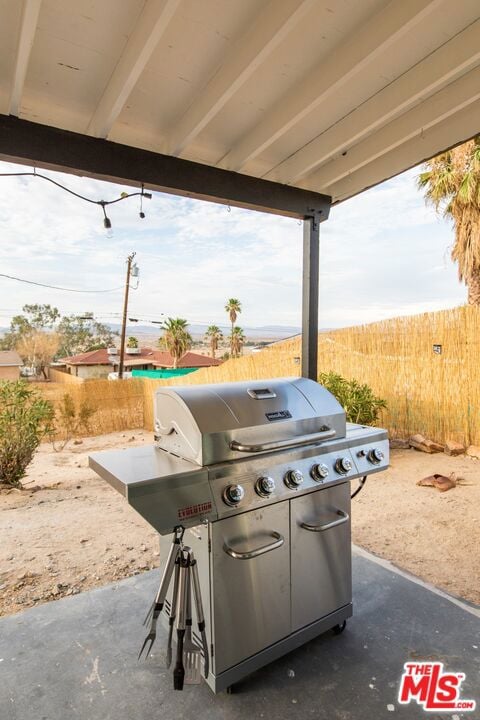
251 596
321 554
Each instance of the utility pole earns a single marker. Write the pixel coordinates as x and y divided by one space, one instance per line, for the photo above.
125 310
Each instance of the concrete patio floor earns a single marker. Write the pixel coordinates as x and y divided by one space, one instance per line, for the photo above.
77 658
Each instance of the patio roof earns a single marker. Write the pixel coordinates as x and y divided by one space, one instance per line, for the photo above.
330 97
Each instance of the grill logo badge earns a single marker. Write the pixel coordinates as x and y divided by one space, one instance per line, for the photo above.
193 510
431 687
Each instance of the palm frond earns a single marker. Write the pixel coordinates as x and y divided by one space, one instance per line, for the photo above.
451 183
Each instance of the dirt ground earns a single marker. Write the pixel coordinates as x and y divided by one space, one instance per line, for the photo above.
76 532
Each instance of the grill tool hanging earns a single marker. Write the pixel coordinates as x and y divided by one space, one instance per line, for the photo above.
157 605
182 564
192 654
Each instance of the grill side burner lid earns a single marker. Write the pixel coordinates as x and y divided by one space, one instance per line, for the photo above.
208 424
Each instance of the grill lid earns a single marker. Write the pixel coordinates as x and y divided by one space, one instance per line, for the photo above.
208 424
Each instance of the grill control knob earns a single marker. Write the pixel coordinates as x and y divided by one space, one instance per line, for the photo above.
343 466
265 486
375 456
319 472
233 494
293 479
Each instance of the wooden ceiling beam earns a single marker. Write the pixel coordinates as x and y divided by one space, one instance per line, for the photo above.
26 37
452 131
147 33
450 61
447 102
250 50
31 143
359 50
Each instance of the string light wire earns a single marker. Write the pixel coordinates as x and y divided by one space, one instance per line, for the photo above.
102 203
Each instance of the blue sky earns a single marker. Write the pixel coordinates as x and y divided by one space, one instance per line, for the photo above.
383 254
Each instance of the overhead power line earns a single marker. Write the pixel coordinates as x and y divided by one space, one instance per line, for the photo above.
55 287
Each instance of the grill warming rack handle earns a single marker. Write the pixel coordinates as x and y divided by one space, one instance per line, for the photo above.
327 434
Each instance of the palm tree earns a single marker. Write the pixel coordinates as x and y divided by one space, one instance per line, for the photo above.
237 341
451 182
176 338
233 307
213 335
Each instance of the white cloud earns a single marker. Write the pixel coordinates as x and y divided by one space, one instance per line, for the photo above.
383 253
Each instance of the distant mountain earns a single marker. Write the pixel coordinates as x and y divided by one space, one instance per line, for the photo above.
265 332
280 329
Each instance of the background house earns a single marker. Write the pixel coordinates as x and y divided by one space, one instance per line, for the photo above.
10 364
99 363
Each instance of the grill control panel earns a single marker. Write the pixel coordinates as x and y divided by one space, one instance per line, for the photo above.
264 480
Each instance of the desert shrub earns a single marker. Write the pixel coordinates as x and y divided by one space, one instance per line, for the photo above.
69 421
359 401
25 418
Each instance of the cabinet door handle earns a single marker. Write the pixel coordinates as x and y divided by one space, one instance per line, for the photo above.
344 517
279 541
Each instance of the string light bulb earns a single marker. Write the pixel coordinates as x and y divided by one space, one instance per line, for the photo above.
143 194
107 223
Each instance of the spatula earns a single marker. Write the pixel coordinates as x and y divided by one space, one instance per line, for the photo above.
192 655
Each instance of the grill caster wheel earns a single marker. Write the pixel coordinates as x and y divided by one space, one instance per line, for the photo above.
230 689
338 629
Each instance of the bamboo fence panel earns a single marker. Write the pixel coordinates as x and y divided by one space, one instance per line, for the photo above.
435 394
58 376
117 405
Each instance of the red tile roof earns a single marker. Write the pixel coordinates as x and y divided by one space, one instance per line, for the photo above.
146 356
9 358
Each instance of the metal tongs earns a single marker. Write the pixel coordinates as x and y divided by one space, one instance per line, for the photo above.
187 664
186 583
191 652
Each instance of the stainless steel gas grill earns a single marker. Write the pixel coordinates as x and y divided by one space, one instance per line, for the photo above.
259 475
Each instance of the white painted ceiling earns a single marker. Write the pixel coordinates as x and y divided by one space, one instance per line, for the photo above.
329 95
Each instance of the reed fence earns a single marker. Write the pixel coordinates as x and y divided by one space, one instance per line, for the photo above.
117 405
64 378
432 390
426 367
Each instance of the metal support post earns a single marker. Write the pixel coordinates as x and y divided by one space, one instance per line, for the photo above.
311 259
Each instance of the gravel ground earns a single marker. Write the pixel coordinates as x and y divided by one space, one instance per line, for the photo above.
68 531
